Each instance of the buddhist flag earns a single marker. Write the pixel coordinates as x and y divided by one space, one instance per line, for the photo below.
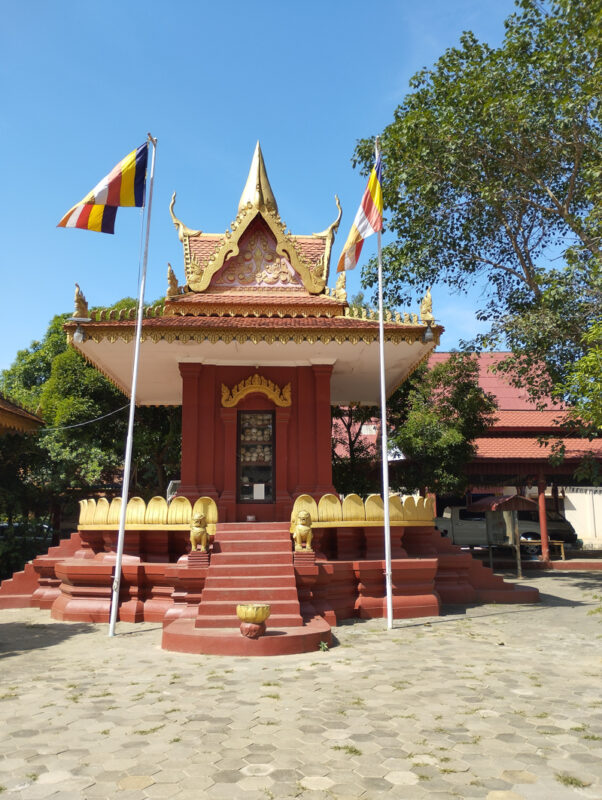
368 220
123 186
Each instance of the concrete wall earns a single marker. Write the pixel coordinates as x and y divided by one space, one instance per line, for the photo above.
583 509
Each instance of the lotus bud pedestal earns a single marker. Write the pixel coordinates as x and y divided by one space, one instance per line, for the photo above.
252 618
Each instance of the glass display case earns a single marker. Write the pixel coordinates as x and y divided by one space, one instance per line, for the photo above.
255 456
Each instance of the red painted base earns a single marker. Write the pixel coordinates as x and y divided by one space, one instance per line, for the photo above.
181 636
255 562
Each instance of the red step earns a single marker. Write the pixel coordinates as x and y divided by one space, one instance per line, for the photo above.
252 546
244 594
256 527
232 621
238 559
247 581
255 570
228 606
246 534
250 563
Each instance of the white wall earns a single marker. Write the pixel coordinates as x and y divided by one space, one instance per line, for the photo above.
583 509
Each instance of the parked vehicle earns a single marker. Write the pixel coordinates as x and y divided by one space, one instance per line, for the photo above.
469 528
559 530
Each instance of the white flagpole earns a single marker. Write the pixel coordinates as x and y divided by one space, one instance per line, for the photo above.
383 426
130 434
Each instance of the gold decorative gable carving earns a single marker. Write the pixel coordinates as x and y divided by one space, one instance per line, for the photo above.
209 252
312 275
256 384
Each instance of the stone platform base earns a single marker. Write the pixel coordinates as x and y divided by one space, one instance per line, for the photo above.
181 636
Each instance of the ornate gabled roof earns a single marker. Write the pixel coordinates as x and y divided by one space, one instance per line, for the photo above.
305 258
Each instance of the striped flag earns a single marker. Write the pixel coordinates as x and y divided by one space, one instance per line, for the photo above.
123 186
368 220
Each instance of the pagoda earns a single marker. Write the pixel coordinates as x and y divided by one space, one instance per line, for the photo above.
256 348
255 340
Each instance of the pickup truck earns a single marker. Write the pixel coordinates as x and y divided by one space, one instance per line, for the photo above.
469 528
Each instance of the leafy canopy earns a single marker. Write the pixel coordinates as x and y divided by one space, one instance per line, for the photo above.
82 447
493 173
435 418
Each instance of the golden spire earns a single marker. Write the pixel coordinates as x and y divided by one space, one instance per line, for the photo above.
258 191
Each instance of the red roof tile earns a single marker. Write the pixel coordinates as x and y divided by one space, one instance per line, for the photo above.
540 420
311 247
513 449
245 302
204 246
508 397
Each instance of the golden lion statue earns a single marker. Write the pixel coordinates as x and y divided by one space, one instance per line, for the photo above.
198 534
303 533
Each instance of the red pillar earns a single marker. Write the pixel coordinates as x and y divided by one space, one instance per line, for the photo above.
322 373
198 430
281 493
306 434
543 519
228 496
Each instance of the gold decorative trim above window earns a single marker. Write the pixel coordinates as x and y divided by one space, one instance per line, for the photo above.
256 384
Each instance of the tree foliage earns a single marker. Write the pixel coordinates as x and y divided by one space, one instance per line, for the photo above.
81 449
493 172
435 418
584 382
354 455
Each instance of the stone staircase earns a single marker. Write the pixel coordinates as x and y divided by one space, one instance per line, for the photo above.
22 589
250 564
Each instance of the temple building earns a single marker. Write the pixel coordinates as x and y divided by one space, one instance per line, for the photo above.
256 348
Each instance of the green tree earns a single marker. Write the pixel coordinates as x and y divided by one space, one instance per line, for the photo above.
435 418
584 383
82 447
492 172
354 456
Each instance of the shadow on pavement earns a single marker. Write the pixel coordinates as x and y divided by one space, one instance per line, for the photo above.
19 637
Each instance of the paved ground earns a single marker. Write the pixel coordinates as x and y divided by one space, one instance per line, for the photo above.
498 702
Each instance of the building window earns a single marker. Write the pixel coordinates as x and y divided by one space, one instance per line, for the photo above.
255 457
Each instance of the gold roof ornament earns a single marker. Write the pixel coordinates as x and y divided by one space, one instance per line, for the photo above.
183 230
328 235
205 254
258 192
426 308
80 310
340 292
172 282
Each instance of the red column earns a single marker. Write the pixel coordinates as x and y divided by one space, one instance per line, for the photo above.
281 489
305 433
190 427
322 373
228 496
198 430
543 519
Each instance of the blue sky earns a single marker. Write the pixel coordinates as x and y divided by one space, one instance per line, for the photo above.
82 83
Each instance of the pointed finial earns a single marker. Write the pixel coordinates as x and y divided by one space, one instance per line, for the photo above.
172 282
258 191
426 308
80 310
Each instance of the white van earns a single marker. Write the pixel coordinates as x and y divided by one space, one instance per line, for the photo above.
469 528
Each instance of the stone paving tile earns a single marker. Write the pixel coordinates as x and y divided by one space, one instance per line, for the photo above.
492 702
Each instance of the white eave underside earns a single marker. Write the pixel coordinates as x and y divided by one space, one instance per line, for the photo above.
355 375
